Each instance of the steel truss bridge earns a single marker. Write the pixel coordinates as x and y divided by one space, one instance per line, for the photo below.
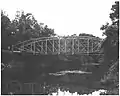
60 45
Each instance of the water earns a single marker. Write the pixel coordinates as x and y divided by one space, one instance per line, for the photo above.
43 74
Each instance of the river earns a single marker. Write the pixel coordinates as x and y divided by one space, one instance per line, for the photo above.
33 74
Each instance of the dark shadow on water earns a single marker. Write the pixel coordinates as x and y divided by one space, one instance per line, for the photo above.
28 68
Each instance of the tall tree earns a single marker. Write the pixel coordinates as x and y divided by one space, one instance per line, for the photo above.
112 30
114 16
47 32
110 45
111 42
28 27
111 48
23 27
6 38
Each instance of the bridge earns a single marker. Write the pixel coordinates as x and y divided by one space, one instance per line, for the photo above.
60 45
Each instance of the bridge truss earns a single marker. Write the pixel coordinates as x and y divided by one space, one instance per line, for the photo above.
60 45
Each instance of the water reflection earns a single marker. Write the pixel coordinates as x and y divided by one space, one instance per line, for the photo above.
37 71
66 72
43 82
34 88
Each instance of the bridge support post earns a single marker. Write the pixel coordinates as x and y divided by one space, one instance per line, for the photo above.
72 46
78 45
92 46
88 45
53 45
46 47
22 47
34 48
59 46
31 47
41 47
65 45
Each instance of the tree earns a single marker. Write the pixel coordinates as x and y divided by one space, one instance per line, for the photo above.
28 27
112 29
84 34
114 16
47 32
111 42
23 27
110 45
6 38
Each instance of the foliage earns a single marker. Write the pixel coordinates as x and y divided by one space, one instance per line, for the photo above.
23 27
112 29
5 32
84 34
29 27
115 14
111 50
47 32
111 43
111 79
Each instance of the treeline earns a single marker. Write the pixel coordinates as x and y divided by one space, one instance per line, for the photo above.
23 27
111 43
111 51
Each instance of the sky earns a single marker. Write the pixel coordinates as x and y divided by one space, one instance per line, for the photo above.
66 17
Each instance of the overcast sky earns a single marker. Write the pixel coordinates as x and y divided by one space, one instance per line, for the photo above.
66 17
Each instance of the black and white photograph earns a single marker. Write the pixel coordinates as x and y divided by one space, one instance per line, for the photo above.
60 47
